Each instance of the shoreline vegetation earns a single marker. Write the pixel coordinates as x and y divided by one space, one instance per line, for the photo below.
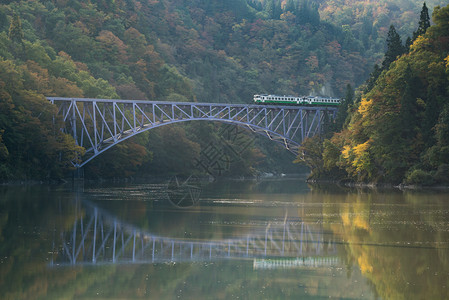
326 183
377 186
395 130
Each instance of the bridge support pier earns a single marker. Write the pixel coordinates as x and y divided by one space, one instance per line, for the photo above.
78 174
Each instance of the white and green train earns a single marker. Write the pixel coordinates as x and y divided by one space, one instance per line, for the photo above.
292 100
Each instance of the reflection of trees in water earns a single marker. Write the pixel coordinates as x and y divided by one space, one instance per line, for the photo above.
25 274
29 218
184 193
378 228
402 249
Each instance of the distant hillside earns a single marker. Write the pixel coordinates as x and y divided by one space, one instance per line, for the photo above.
214 51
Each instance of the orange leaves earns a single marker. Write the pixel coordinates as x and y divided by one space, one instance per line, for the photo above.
312 62
114 48
288 16
63 87
37 78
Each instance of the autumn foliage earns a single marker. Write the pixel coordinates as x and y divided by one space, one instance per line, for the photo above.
205 51
398 131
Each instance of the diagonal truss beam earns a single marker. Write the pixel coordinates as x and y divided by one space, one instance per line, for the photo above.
99 124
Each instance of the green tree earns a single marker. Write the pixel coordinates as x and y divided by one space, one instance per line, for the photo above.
394 48
343 110
15 30
372 78
408 104
424 22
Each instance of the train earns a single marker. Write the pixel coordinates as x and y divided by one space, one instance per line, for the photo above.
293 100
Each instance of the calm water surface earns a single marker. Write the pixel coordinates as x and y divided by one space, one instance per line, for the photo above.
277 239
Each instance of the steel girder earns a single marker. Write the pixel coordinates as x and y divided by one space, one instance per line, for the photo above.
100 238
99 124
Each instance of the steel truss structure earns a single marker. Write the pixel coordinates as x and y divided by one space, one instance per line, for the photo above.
99 124
99 238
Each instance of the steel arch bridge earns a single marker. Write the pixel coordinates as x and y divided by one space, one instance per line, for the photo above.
99 124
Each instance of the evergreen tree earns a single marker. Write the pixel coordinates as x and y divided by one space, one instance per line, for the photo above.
408 43
277 10
15 30
290 6
343 110
408 104
3 19
308 13
372 78
430 118
327 128
424 22
270 8
394 48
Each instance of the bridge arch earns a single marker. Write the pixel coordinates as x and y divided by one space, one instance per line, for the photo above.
100 124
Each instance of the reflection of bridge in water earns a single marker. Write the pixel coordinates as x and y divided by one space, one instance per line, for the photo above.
99 238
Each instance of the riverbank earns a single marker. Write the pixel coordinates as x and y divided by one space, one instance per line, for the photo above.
351 184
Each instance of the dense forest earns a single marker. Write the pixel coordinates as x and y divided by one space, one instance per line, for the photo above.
205 51
397 131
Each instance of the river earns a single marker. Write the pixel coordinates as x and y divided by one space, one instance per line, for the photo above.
190 239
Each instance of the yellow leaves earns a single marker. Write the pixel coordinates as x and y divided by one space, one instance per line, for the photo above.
358 158
421 43
365 106
447 65
346 151
356 217
364 264
361 223
361 148
345 219
361 161
358 150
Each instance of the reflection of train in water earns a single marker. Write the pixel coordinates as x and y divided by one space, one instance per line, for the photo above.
304 100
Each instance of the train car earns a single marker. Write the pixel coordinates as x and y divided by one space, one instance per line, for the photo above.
293 100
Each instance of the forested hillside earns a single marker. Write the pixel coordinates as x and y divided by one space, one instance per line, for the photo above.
398 131
211 51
